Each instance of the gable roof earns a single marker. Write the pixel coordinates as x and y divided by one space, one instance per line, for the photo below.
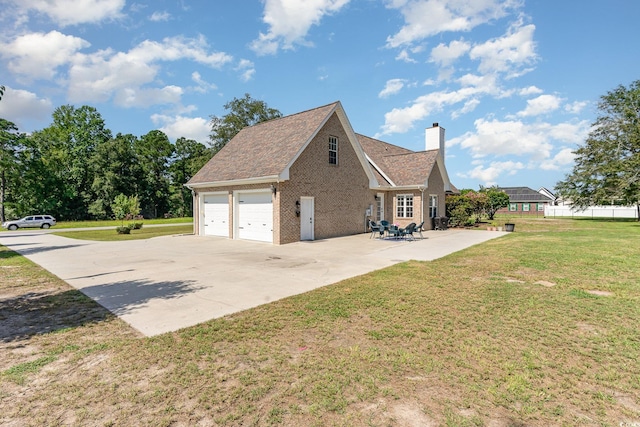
401 167
265 152
524 194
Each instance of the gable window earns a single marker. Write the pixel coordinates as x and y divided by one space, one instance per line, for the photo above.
333 150
404 206
433 206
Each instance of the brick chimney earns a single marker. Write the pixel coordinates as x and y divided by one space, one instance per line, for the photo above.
434 138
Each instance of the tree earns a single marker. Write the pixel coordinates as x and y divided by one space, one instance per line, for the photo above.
124 206
153 152
189 157
117 170
243 112
2 88
496 199
460 209
607 166
11 142
64 150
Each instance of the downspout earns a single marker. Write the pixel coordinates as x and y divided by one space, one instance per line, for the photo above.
422 199
193 204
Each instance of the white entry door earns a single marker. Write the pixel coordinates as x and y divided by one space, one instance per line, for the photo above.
307 218
379 207
255 216
216 215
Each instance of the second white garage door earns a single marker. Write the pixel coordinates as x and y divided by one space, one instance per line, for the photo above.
216 215
255 216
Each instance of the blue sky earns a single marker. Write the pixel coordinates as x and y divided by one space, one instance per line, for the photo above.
515 83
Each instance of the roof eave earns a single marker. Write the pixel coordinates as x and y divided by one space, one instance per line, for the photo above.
244 181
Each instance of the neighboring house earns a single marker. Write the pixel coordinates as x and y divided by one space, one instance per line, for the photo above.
309 176
524 200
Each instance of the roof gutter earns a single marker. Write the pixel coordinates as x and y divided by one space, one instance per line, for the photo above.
233 182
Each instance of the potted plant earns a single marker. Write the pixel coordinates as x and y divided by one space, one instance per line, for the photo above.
508 225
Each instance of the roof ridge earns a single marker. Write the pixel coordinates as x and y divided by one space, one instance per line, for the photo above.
292 115
384 142
408 154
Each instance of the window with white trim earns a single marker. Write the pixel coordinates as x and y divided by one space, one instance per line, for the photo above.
540 207
433 206
513 207
526 207
404 206
333 150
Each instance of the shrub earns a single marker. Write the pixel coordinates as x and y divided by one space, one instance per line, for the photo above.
135 225
123 230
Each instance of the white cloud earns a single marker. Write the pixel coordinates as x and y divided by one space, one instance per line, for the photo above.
541 105
39 55
196 128
489 175
146 97
103 74
404 56
425 18
507 54
290 21
20 106
202 85
446 55
392 87
516 138
73 12
564 157
400 120
531 90
572 132
468 107
163 16
247 70
575 107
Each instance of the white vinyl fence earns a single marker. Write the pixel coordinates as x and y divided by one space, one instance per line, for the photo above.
591 212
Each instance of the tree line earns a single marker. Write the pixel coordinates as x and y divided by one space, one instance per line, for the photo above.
75 168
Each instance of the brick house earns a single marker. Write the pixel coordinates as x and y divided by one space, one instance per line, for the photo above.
526 201
309 176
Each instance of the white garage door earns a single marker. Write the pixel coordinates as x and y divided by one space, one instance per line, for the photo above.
216 215
255 216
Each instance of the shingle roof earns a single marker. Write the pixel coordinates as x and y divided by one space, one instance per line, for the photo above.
265 149
524 194
402 166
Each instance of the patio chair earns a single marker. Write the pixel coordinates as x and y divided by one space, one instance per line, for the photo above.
375 228
385 226
394 231
419 229
408 231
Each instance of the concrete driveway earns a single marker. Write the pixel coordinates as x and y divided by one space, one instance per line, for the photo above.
167 283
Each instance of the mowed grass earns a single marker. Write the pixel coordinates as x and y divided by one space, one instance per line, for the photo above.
539 327
112 235
116 223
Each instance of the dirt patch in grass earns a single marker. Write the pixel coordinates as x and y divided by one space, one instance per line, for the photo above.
600 293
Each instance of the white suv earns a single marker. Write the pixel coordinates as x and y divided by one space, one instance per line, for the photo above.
33 221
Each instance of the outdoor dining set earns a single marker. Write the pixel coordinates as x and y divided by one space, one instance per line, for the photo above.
385 230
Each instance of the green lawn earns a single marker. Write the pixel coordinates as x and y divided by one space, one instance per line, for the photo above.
112 235
539 328
116 223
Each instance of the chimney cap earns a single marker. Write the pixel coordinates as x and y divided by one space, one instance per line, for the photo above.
435 124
